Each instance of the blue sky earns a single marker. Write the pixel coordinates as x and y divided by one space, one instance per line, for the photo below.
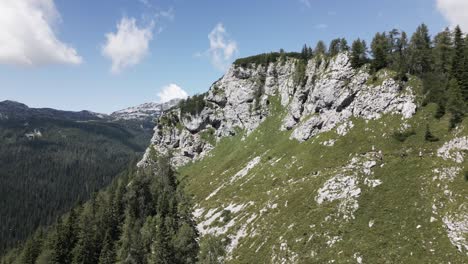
171 44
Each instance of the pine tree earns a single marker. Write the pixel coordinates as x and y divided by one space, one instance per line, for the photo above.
358 53
464 80
420 51
380 48
458 56
443 52
344 45
400 63
86 249
32 249
212 250
60 252
305 52
334 47
107 255
320 48
161 251
455 104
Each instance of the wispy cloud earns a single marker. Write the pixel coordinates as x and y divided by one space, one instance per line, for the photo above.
129 45
455 11
27 36
321 26
222 48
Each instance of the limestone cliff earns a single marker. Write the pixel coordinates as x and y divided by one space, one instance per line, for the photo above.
326 94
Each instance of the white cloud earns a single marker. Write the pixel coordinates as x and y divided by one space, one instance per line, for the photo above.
455 11
27 37
129 45
221 49
172 91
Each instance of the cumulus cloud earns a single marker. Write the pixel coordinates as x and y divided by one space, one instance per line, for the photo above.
455 11
222 49
172 91
129 45
27 37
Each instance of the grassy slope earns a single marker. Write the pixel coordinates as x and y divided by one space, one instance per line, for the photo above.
288 222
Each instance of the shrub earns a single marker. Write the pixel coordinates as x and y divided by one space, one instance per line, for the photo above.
299 74
402 136
226 215
428 136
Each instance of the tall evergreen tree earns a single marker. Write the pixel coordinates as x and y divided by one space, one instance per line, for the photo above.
358 53
464 77
334 47
344 45
420 51
459 54
86 249
443 52
400 62
107 255
455 103
320 48
380 49
306 52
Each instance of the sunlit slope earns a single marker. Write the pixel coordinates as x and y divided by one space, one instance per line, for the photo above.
380 193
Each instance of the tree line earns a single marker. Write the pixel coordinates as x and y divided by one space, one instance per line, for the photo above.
440 62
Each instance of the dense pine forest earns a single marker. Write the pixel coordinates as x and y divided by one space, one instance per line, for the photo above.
47 165
143 217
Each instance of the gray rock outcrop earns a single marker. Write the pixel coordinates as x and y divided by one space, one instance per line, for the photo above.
318 99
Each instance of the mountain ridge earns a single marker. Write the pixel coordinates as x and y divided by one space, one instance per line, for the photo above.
264 139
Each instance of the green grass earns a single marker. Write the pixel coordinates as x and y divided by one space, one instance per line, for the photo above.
288 177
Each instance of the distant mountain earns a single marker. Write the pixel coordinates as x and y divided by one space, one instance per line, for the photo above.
147 111
16 110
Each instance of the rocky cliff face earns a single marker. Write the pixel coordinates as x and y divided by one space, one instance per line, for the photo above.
322 95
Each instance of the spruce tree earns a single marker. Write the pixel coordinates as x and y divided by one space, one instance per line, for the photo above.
380 49
458 56
358 53
344 45
420 51
443 52
320 48
455 103
400 63
107 255
86 249
464 77
334 48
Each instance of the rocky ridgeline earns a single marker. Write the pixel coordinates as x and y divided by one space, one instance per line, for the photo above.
318 98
